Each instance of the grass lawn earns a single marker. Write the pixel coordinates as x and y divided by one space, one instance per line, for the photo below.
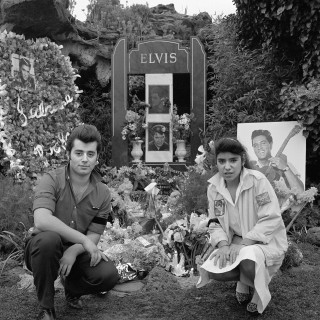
295 295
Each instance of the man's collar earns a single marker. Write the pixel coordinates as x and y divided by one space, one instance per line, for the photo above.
95 177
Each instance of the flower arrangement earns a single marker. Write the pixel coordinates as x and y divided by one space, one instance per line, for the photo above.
294 198
187 240
181 125
36 121
135 125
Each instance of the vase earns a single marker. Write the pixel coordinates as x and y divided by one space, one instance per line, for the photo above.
136 150
181 150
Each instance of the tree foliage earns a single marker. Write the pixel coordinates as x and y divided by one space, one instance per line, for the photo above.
95 108
291 29
289 26
301 102
244 84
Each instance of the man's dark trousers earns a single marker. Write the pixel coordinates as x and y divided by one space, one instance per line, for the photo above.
42 255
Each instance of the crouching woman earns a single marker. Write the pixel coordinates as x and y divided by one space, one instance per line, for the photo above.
248 229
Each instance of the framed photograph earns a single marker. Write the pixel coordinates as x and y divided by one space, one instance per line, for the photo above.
157 96
22 69
158 147
278 149
158 137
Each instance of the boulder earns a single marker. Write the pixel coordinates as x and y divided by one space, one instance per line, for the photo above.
36 17
50 18
87 46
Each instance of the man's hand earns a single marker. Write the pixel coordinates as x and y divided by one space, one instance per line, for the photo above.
222 255
95 254
279 162
67 261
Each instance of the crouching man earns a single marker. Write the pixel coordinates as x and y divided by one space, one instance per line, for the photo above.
71 207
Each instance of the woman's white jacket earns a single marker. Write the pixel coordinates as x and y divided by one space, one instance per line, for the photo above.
258 211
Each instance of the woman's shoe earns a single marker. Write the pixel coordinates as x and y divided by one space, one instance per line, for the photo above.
252 308
243 298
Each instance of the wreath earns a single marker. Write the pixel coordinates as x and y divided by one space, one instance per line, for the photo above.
35 116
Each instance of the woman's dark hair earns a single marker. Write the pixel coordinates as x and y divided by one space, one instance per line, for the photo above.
86 133
234 146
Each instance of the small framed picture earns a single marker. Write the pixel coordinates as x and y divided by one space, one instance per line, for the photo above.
219 207
22 69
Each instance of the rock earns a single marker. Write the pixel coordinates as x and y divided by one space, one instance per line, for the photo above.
81 41
128 287
161 9
50 18
40 17
313 236
26 282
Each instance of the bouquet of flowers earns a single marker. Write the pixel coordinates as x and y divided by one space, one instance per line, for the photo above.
135 125
294 198
186 239
180 125
134 128
293 195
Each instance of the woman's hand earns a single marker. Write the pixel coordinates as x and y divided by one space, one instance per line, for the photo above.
222 254
234 252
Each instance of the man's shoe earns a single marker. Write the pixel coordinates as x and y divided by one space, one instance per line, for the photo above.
73 301
46 314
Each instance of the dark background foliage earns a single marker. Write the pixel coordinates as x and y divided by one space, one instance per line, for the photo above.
95 108
289 26
243 84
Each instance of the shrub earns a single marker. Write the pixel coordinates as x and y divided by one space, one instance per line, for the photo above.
301 103
289 26
15 207
244 85
95 108
194 191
